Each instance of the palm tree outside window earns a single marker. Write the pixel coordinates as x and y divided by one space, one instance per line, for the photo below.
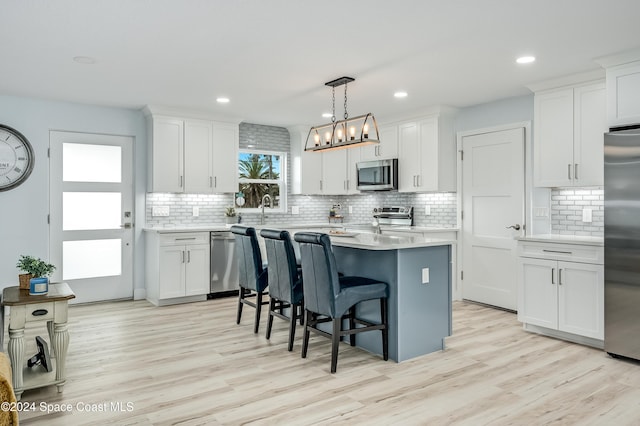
261 173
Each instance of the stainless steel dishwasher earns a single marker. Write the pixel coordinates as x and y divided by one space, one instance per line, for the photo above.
224 267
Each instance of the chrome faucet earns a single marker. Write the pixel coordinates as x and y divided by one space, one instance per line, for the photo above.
265 197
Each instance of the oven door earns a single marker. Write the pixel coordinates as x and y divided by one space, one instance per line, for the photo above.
377 175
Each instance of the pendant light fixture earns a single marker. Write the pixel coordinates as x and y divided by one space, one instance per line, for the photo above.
346 133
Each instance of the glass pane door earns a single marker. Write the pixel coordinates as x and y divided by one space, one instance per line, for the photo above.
91 214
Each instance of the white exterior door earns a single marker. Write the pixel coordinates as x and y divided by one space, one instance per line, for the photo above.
91 214
493 201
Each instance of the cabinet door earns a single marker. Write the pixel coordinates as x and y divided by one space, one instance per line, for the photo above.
537 292
428 135
408 157
225 157
197 270
311 172
581 299
334 172
623 94
198 156
172 267
168 155
353 157
553 138
590 125
388 147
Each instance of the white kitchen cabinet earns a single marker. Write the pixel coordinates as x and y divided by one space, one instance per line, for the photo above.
623 94
192 156
569 127
387 148
426 155
560 295
177 267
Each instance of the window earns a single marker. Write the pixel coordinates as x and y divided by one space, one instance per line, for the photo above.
262 173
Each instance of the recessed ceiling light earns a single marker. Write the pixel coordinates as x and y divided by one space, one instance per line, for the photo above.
526 59
327 115
86 60
222 100
400 94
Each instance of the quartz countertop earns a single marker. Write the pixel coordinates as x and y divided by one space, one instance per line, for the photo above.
564 239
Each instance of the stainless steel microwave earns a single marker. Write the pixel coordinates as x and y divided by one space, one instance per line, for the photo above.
379 175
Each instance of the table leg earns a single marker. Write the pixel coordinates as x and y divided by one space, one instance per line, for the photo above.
60 345
16 355
50 332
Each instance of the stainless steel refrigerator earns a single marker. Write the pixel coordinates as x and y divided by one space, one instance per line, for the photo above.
622 242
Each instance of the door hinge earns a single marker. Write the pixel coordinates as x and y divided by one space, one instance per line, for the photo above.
461 214
48 219
461 275
461 155
48 152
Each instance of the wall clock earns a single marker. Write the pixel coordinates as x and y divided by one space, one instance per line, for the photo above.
16 158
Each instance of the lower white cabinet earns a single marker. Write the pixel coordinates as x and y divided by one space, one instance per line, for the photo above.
177 267
559 294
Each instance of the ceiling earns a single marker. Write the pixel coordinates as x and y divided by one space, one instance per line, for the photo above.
272 57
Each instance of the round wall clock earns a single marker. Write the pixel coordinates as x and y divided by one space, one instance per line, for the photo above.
16 158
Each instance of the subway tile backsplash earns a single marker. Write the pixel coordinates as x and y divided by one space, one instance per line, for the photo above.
567 205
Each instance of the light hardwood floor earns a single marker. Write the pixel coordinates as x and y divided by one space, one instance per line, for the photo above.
192 365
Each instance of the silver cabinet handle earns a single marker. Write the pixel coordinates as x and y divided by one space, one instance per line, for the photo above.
180 181
215 181
321 185
182 255
556 251
560 276
185 239
348 184
553 270
575 171
569 171
210 182
188 256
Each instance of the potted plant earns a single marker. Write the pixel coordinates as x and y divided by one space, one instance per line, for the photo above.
37 272
230 214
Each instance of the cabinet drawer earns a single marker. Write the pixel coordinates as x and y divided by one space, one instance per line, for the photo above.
566 252
184 238
39 312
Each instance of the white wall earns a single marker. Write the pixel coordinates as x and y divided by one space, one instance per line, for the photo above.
24 210
504 111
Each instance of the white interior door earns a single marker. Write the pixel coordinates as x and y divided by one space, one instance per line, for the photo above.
91 214
493 201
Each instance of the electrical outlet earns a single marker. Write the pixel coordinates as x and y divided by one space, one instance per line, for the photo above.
587 215
295 210
350 209
425 275
196 211
427 210
160 211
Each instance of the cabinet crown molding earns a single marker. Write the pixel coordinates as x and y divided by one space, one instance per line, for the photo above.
151 110
568 80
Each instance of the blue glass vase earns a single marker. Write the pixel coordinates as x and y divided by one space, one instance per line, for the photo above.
39 286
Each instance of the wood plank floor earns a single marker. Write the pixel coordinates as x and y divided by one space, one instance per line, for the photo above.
192 365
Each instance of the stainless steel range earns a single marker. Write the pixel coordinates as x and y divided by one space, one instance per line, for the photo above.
400 216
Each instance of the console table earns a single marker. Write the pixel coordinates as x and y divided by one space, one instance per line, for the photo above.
24 308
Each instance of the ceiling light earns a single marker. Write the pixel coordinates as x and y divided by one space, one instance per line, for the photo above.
222 100
86 60
400 94
347 133
526 59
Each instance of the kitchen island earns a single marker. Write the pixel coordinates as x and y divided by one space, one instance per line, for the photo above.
418 271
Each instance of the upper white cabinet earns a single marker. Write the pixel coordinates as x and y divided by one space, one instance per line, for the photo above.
192 156
427 155
623 94
387 148
569 127
321 173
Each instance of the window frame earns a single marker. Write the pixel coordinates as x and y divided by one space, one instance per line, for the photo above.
282 182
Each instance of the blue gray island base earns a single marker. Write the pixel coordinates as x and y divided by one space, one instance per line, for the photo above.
419 314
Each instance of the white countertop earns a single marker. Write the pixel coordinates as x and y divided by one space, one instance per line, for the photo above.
564 239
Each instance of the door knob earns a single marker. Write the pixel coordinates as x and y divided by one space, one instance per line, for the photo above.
516 227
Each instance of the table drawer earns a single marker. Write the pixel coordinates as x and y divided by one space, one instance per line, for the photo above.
39 312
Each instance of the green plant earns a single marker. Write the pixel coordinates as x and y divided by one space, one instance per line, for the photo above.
35 266
230 212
